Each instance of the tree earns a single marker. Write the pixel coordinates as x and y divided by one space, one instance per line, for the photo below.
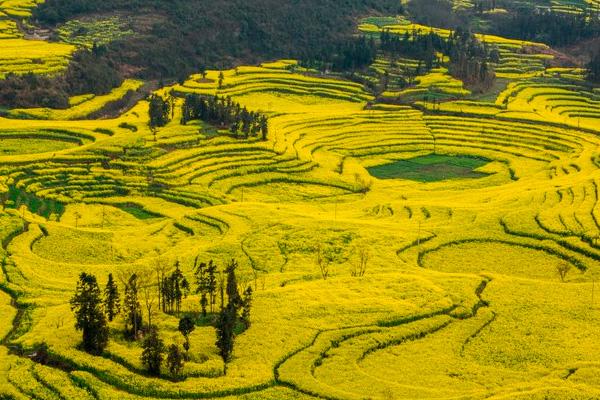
161 270
563 269
233 295
593 68
89 315
212 284
206 284
186 327
246 306
221 79
361 264
225 332
264 127
145 282
174 288
132 308
200 270
175 360
322 261
228 316
159 111
112 301
153 351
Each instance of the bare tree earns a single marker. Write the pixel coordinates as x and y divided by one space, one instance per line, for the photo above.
322 261
160 268
360 267
146 280
563 269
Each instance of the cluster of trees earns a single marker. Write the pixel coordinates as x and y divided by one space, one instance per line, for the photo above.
95 309
172 289
469 58
159 110
593 67
225 113
416 46
350 55
546 26
88 72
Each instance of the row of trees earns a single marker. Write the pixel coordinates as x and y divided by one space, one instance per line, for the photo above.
94 309
225 113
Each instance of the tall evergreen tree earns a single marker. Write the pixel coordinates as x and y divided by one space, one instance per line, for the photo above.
159 111
225 332
175 360
153 351
86 303
112 301
233 295
246 306
132 307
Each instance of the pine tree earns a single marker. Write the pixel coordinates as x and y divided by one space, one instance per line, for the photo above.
221 79
264 127
175 360
153 350
159 110
86 303
225 332
231 289
112 301
212 284
246 306
201 272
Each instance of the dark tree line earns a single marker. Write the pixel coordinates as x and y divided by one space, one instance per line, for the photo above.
225 113
184 34
350 55
593 67
553 28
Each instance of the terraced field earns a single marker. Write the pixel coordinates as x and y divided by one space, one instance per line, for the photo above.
19 55
461 296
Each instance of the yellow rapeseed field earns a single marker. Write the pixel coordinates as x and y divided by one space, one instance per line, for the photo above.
461 297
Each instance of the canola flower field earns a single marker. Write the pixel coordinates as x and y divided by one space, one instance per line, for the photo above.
461 298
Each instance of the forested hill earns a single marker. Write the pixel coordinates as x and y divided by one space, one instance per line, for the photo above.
176 37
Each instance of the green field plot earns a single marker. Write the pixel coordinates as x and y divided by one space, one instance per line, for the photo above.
431 168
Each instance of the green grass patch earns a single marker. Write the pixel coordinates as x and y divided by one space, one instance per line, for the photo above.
431 168
138 211
44 207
